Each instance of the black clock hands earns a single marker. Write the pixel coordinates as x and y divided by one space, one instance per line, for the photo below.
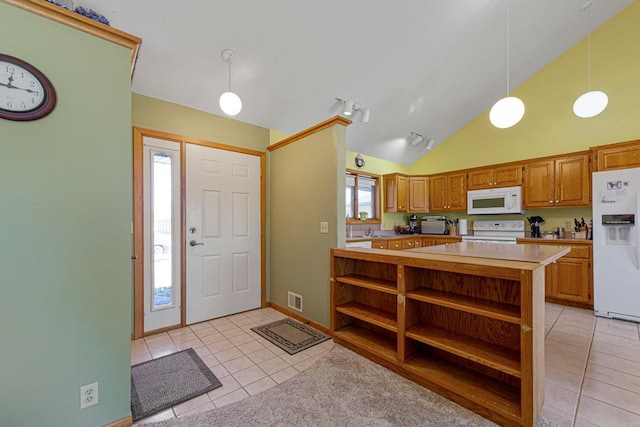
10 86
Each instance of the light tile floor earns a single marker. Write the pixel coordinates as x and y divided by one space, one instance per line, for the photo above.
242 360
592 364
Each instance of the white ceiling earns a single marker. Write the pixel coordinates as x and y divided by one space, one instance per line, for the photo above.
428 66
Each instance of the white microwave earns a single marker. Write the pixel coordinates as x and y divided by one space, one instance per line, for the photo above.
507 200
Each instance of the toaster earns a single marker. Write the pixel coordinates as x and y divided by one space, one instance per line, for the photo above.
433 225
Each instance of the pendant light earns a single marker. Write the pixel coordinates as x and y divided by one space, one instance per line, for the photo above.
592 102
509 110
230 103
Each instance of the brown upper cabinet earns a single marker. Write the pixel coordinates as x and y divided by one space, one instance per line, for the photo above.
448 192
418 194
623 155
396 192
494 177
558 181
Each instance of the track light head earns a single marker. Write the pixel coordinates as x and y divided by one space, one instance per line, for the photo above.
348 107
416 138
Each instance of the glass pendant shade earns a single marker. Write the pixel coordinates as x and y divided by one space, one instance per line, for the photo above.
506 112
230 103
590 104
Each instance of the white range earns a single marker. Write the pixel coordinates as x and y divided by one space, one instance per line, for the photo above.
496 231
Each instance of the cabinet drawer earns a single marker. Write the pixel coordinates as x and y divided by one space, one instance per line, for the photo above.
408 244
395 244
578 252
379 244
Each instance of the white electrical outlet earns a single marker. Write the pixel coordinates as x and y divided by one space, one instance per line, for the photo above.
567 225
324 227
88 395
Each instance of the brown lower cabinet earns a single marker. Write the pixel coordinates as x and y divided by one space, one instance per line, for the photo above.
413 241
569 280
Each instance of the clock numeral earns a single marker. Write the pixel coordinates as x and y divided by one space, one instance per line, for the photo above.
9 104
32 83
23 105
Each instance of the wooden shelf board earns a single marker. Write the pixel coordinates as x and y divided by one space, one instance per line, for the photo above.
375 284
497 396
494 310
478 351
379 344
370 315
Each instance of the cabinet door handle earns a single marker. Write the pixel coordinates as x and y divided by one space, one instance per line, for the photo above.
557 201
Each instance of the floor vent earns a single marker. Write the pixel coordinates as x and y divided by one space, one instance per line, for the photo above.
295 301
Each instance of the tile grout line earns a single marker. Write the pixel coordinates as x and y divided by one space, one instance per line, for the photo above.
584 372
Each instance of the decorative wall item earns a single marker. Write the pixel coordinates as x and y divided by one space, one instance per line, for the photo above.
80 10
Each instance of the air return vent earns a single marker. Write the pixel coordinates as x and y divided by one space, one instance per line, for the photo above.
295 301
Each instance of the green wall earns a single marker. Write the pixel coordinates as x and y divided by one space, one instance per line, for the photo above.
549 126
65 218
307 187
151 113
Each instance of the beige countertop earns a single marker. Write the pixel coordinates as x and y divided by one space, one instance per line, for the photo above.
564 241
541 254
394 236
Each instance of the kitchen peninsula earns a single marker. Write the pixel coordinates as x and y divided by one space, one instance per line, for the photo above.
465 320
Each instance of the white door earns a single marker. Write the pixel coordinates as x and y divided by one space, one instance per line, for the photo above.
161 187
222 232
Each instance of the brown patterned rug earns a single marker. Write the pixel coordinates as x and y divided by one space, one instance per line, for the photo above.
166 381
291 336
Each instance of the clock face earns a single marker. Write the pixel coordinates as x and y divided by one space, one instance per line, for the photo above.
25 93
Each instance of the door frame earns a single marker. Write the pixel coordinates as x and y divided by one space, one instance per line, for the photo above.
138 222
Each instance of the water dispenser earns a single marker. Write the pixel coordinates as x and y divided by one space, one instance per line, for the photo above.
618 229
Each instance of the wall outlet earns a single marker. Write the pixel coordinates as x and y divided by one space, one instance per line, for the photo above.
567 225
88 395
324 227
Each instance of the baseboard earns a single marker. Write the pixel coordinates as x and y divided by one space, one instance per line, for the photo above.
300 318
125 422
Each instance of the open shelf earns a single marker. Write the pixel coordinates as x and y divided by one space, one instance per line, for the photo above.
495 310
495 395
484 353
370 315
371 341
380 285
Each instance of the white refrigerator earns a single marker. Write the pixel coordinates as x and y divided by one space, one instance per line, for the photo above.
616 237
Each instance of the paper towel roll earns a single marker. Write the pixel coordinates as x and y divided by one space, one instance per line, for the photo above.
462 227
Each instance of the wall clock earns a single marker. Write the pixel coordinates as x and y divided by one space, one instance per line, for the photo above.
359 161
25 93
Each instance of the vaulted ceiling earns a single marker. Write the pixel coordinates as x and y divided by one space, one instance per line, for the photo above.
428 66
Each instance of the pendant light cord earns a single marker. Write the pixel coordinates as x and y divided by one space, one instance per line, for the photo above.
508 49
229 61
589 49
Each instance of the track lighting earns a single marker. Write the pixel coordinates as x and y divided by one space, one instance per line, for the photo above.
415 138
350 108
230 103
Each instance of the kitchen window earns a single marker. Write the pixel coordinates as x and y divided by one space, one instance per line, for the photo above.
362 197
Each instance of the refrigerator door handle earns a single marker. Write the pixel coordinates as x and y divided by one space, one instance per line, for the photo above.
637 226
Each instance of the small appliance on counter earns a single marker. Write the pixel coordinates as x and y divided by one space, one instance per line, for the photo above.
462 227
413 223
433 225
